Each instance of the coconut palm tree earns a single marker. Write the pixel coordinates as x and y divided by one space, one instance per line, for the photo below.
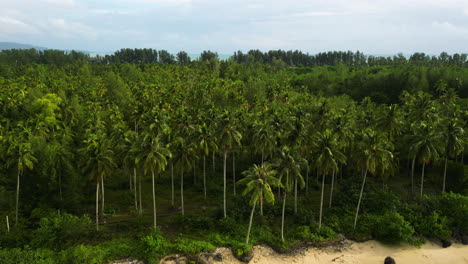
328 156
452 136
229 137
20 153
425 146
258 181
290 174
155 155
375 156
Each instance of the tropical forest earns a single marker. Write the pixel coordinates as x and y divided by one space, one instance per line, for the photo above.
142 154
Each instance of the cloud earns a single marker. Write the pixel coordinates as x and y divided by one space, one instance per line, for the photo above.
61 3
66 29
451 29
466 12
11 25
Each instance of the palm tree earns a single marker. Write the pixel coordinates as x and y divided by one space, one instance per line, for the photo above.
21 154
453 138
290 174
184 154
258 181
205 145
99 164
328 156
375 156
425 146
228 139
155 160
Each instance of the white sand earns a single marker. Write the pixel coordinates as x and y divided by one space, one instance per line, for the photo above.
370 252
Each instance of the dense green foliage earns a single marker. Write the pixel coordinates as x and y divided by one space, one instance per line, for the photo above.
152 146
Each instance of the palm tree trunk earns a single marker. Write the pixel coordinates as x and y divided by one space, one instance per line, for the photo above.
250 222
321 201
194 174
182 192
102 199
412 174
139 194
360 197
60 185
17 195
282 217
261 202
172 183
224 197
97 205
234 172
445 174
130 184
422 178
154 199
135 188
331 189
204 176
213 161
295 195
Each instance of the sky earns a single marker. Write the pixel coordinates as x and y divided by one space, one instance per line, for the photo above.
225 26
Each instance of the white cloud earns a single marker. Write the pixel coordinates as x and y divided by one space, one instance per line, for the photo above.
466 12
66 29
62 3
451 29
11 25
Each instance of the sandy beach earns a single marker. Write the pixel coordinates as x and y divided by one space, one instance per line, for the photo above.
370 252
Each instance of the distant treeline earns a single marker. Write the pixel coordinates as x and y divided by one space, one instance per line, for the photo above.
273 57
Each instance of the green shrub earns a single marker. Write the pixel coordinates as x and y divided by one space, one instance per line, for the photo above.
154 246
190 223
455 207
119 248
392 228
433 225
83 254
314 234
27 256
190 246
62 231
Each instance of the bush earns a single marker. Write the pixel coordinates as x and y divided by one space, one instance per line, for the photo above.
83 254
314 234
27 256
433 225
455 207
189 246
154 246
190 223
62 231
392 228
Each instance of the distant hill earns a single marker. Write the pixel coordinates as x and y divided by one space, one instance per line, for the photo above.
13 45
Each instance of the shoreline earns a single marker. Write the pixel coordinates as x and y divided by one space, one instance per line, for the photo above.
347 252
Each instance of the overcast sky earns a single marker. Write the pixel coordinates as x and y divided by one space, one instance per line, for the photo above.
372 26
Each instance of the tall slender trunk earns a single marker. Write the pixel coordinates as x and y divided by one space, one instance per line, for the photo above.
250 222
321 200
102 199
130 184
445 173
182 192
97 205
172 183
8 224
234 173
261 202
224 197
331 189
17 195
422 178
204 176
213 154
154 199
307 179
412 174
135 188
341 171
295 195
360 197
60 184
139 194
282 216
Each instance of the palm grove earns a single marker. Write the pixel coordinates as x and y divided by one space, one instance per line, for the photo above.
245 136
